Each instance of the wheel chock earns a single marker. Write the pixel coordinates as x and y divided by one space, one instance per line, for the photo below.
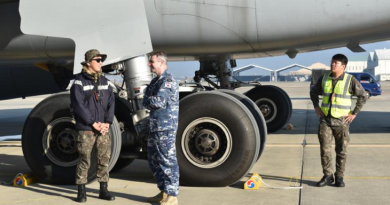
22 180
254 182
289 127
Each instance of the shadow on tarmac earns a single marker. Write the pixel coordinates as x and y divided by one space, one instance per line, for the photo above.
365 122
12 165
70 192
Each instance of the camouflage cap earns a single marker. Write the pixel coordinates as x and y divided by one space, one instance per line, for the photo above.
89 55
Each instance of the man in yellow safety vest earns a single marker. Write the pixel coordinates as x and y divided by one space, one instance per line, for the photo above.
337 88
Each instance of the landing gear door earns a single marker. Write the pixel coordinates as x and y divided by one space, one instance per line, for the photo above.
117 28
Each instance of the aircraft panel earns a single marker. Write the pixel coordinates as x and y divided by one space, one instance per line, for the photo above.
308 23
119 29
215 28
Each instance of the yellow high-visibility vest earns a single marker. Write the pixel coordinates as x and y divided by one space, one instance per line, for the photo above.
342 99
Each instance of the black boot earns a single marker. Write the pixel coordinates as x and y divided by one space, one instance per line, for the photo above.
326 180
339 182
104 194
81 195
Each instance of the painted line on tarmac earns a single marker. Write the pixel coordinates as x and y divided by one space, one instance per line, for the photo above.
10 143
366 177
319 177
300 145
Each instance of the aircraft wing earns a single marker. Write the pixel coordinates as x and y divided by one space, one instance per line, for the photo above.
118 29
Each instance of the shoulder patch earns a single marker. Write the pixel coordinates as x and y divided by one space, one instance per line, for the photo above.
168 85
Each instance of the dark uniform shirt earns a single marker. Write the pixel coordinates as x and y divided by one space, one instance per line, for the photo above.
355 88
90 108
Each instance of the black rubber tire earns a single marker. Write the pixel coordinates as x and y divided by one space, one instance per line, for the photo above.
288 100
50 109
281 100
369 93
241 125
123 113
256 114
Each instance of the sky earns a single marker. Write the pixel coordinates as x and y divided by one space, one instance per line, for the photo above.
306 59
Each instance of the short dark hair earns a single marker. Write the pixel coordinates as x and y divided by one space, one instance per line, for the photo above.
340 57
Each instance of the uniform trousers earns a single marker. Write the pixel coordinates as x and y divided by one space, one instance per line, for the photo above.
163 162
340 133
85 143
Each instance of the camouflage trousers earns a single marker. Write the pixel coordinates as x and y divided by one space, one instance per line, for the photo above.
163 162
341 136
85 143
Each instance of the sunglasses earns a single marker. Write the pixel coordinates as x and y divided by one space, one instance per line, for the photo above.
98 60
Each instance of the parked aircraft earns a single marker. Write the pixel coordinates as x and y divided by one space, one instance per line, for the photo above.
221 133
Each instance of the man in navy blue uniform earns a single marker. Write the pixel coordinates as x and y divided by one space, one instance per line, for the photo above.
162 99
93 102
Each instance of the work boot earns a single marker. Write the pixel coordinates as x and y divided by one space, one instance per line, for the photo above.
170 200
82 194
339 182
104 194
158 198
326 180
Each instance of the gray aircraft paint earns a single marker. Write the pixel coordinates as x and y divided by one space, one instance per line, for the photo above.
119 29
185 29
241 28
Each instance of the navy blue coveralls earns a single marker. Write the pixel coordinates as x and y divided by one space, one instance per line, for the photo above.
162 99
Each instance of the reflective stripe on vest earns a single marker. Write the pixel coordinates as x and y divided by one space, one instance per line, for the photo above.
342 100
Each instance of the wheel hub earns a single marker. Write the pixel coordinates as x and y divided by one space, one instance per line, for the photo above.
268 108
265 110
60 142
66 141
207 142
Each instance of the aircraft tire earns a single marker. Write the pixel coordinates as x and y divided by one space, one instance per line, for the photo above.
274 103
123 113
49 142
256 114
217 140
288 100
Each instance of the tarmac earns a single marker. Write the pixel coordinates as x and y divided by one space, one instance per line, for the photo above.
288 155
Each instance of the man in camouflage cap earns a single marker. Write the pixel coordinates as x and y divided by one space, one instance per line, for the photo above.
337 88
162 99
93 102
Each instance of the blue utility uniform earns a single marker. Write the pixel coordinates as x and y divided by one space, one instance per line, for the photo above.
162 99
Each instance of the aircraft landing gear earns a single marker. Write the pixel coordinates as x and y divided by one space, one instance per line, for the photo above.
49 142
274 103
218 139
